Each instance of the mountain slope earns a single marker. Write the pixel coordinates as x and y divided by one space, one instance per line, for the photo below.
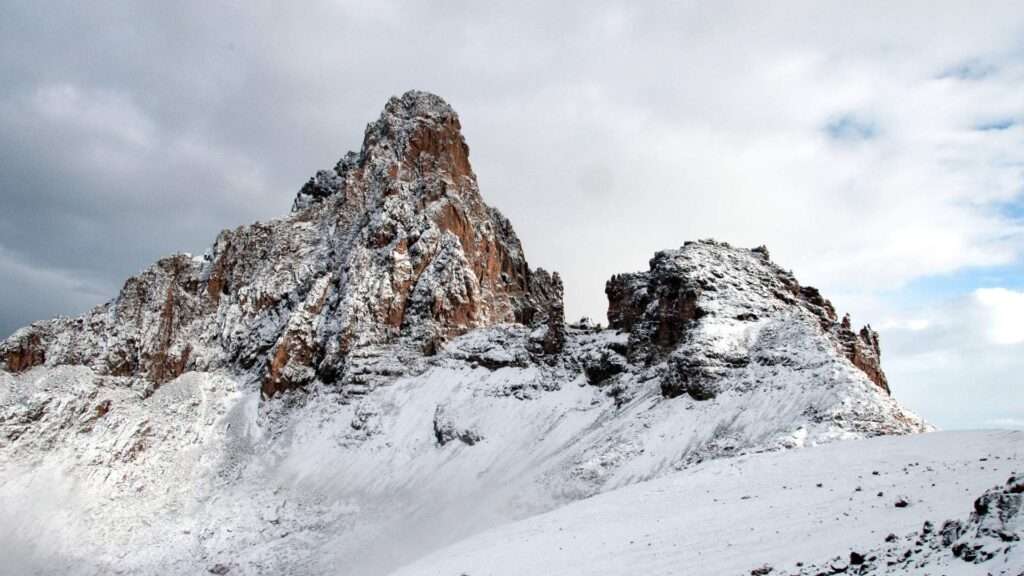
813 506
380 374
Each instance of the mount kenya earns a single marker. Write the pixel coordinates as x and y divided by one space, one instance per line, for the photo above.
378 382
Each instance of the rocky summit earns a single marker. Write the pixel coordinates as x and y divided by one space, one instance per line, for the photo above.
383 360
393 244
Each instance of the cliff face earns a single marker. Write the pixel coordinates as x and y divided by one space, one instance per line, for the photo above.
394 244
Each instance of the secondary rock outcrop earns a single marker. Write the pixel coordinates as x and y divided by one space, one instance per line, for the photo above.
686 306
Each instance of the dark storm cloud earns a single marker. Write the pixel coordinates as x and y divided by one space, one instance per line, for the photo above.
118 145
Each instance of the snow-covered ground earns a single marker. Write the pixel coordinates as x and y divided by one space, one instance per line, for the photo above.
100 476
736 515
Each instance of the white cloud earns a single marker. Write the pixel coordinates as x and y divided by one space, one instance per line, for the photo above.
681 131
960 362
1004 312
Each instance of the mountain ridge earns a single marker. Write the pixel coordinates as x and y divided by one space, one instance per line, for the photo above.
411 157
384 360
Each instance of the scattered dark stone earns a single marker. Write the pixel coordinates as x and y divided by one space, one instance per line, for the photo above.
219 569
890 538
445 430
950 532
856 559
961 550
603 365
901 503
766 569
1016 485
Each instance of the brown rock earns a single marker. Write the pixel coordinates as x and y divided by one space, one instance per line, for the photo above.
24 351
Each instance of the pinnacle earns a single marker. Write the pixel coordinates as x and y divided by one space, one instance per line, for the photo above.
416 112
417 104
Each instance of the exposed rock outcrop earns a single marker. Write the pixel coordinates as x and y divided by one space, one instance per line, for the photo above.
862 348
23 351
670 310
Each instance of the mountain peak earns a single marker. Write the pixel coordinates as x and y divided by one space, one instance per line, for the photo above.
418 104
393 247
415 147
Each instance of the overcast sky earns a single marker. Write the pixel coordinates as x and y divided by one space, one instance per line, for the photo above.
876 148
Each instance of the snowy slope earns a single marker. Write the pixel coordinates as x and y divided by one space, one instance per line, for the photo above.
202 472
738 515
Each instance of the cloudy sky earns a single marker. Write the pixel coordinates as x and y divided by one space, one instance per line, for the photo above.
877 150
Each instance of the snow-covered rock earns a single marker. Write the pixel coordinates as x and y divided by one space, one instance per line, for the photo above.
700 304
380 373
394 243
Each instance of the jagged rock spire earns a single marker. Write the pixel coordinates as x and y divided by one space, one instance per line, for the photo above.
417 139
393 246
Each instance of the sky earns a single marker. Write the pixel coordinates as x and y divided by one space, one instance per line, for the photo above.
876 148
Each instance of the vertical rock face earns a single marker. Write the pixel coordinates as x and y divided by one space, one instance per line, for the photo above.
699 307
393 246
862 348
